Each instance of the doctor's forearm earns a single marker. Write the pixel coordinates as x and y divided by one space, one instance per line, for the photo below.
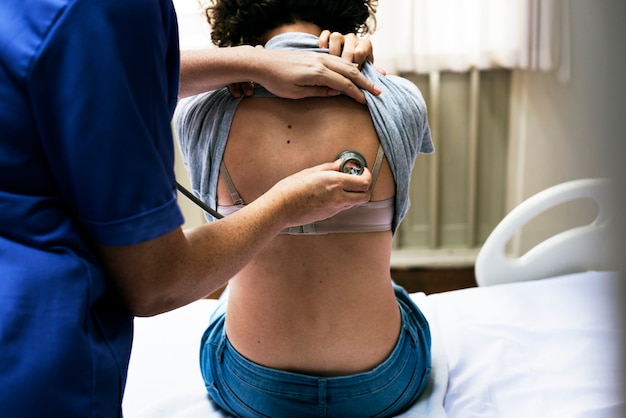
287 74
180 267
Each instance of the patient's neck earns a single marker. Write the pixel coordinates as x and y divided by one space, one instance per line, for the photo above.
298 26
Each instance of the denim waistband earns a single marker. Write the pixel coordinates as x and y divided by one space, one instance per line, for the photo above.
266 378
233 380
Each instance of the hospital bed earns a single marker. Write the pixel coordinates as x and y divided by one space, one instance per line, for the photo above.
539 337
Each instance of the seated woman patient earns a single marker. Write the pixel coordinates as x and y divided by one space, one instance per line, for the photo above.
313 325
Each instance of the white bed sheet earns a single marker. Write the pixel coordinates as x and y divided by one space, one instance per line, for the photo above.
549 348
532 349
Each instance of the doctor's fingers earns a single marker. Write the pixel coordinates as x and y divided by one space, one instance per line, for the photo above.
316 194
345 77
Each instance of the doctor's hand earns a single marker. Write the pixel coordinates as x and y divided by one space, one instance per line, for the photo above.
298 74
351 48
318 193
286 73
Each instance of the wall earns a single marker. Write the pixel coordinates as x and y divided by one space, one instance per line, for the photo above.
568 130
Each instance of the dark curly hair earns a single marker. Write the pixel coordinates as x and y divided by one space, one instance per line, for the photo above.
243 22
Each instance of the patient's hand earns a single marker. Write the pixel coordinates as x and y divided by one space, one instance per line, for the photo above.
349 47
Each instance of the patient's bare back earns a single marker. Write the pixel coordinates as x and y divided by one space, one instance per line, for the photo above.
318 304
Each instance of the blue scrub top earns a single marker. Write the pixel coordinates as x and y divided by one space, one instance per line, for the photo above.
87 91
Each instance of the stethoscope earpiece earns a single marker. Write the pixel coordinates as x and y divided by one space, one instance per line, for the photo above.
352 163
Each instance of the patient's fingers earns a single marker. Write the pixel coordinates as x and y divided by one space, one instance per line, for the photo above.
363 51
341 46
239 89
324 39
349 47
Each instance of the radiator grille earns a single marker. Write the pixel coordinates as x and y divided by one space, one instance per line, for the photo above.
457 193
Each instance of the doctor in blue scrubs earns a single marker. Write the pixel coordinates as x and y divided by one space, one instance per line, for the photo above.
90 229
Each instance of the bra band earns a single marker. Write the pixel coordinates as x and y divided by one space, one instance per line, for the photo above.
368 217
237 200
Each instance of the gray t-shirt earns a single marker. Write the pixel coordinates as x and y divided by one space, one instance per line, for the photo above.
202 124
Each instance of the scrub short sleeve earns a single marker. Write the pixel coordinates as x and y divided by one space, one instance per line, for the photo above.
103 87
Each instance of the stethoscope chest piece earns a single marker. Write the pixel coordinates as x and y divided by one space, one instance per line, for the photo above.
352 163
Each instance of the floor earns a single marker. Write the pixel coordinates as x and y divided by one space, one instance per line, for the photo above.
434 280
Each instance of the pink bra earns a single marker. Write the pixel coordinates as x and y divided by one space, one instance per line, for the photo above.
368 217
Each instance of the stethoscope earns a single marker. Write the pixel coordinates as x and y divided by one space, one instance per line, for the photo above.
351 163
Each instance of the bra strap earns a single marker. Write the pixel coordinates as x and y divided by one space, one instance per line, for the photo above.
377 164
234 194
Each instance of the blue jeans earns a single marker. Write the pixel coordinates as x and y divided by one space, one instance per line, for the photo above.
246 389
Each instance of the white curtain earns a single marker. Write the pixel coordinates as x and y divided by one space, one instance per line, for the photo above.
456 35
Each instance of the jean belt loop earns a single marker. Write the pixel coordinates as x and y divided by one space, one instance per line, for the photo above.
219 350
407 322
